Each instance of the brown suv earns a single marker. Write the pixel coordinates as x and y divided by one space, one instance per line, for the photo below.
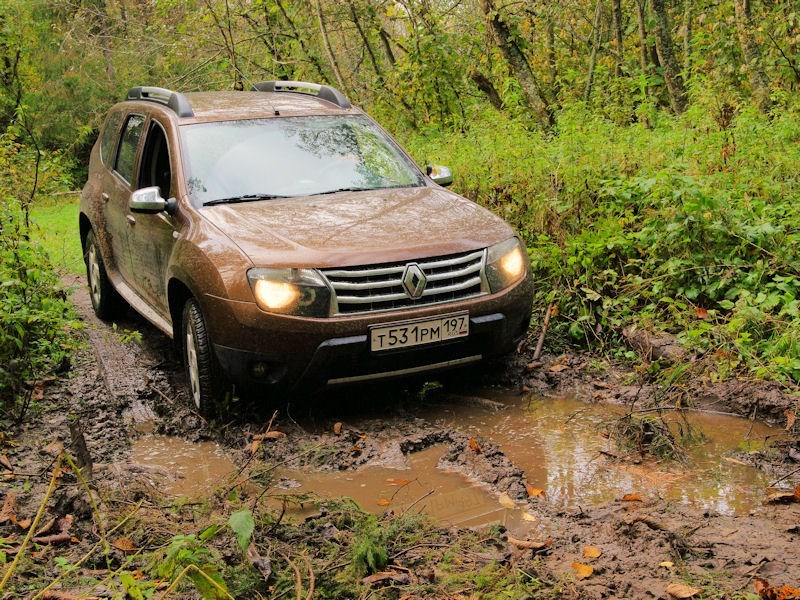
286 242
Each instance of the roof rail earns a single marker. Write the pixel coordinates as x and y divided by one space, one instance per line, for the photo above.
324 92
174 100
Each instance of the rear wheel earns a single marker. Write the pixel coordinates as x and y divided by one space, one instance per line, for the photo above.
207 385
106 301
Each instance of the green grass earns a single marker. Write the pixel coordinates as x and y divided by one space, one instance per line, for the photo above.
54 224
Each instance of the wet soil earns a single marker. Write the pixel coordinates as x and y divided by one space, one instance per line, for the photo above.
523 444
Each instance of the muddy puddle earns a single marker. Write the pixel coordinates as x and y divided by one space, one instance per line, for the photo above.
422 487
181 468
564 448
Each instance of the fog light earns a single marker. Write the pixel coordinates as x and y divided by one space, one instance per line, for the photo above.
259 370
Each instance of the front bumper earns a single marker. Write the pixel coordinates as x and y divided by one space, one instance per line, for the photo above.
266 354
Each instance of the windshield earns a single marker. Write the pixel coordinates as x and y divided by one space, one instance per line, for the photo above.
235 161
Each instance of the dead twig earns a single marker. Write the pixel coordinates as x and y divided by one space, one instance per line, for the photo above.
540 344
415 502
777 481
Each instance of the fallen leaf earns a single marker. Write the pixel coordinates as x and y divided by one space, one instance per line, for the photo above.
59 595
473 445
534 492
506 501
558 368
262 563
766 592
54 448
679 590
24 523
396 481
57 538
254 446
667 563
337 428
797 490
124 544
5 463
529 545
47 527
526 516
632 498
782 498
9 510
383 502
791 416
534 365
375 578
700 312
582 571
273 435
591 552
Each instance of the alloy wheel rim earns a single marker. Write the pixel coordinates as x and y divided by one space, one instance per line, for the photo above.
94 275
191 362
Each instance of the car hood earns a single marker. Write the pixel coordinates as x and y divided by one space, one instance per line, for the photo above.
352 228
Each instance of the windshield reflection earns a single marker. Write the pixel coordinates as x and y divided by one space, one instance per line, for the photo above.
295 156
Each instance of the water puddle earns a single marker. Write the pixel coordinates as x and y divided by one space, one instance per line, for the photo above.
560 444
447 496
191 470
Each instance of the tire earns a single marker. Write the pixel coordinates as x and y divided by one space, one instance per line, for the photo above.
106 301
207 385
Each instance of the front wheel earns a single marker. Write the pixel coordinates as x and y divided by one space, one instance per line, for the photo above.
206 382
106 301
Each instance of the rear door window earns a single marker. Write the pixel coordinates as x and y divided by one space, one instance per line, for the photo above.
129 143
109 137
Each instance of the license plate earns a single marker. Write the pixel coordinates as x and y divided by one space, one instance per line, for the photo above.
419 332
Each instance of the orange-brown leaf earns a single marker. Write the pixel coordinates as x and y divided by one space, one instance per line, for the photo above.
6 463
506 501
124 544
534 492
591 552
766 592
9 510
474 446
383 502
397 481
529 545
582 571
791 416
558 368
700 312
680 590
337 428
632 498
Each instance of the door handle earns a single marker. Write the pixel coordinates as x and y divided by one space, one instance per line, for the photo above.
104 196
131 220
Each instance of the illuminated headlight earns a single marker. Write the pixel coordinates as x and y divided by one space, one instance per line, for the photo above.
506 264
300 292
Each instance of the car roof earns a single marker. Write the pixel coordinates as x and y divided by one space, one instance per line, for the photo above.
267 99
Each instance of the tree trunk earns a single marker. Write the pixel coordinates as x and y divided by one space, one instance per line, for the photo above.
365 40
618 37
751 51
687 37
666 54
640 14
331 56
598 13
518 63
298 37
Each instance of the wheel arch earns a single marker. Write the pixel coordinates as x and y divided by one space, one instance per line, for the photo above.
177 295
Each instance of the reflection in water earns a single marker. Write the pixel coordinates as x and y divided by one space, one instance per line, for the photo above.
449 497
195 469
560 444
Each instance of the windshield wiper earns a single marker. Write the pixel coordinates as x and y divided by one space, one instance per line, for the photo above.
245 198
344 189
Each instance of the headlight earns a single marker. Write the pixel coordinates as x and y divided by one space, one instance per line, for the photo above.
506 264
301 292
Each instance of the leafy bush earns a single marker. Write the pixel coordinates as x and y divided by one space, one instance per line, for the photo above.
687 225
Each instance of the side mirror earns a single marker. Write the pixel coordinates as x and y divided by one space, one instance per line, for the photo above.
149 200
440 174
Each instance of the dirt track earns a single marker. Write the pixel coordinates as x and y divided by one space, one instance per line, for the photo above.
119 388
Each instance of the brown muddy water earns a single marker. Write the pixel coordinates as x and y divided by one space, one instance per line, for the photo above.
562 445
182 468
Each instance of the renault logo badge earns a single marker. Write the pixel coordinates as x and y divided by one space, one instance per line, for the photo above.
414 280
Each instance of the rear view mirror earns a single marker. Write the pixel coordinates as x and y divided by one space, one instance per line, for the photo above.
440 174
149 200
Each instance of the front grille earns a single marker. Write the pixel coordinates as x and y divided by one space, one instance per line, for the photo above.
374 288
